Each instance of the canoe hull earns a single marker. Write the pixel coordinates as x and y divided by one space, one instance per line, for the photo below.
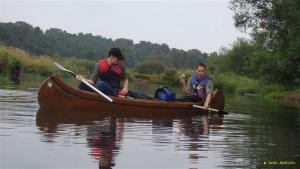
55 95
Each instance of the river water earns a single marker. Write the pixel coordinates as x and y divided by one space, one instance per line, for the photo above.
256 134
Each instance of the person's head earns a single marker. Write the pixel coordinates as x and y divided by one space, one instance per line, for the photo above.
201 70
115 54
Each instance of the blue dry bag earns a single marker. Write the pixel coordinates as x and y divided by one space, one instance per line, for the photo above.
164 93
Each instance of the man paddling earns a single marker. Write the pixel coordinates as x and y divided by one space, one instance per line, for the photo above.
199 88
109 75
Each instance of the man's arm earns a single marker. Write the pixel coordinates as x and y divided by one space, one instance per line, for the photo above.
188 88
94 78
124 83
209 89
124 90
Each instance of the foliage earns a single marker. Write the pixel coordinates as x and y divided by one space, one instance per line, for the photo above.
39 65
150 67
130 75
11 62
15 60
275 27
231 83
169 76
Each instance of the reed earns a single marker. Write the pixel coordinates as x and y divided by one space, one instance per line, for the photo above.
12 61
15 62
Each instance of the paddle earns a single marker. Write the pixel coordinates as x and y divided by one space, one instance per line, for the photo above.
211 109
83 81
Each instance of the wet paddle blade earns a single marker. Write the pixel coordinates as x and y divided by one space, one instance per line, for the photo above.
64 69
211 109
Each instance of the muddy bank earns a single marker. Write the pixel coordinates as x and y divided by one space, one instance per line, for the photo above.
294 98
142 79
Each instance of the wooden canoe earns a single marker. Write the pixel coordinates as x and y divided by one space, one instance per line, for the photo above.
55 95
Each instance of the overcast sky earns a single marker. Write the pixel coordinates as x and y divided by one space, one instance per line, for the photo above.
204 25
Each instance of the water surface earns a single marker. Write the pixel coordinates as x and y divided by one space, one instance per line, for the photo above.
256 134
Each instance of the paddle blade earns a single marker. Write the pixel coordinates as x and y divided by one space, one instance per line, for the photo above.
223 112
64 69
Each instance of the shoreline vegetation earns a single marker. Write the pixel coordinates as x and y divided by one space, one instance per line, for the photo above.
16 63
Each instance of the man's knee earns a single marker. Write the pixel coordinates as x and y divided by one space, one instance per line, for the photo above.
105 88
102 85
83 86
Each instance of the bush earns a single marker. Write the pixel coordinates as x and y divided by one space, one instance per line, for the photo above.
234 84
4 61
150 67
169 76
14 62
79 66
11 62
130 75
39 65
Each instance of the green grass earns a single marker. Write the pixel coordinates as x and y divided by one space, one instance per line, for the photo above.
241 85
14 60
283 92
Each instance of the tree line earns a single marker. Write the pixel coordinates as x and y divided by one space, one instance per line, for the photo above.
56 42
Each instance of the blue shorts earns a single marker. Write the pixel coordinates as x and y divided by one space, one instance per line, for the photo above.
102 86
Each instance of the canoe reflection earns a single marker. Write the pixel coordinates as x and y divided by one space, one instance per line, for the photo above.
104 132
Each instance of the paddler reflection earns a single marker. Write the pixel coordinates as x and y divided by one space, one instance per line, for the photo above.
104 133
104 140
197 130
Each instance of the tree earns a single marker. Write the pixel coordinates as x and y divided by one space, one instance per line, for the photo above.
275 25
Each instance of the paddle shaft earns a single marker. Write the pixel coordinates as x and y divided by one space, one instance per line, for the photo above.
211 109
84 81
98 91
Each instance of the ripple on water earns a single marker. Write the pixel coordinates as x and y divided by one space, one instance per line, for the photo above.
18 108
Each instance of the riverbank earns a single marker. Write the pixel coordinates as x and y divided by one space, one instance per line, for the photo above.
289 96
16 64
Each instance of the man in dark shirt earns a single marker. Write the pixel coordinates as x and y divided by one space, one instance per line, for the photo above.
109 75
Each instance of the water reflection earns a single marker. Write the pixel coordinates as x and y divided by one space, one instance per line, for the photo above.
257 132
105 132
104 138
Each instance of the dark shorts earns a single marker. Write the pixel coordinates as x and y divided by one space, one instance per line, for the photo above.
192 98
102 86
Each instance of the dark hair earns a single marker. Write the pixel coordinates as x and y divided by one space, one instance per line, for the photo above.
202 65
117 53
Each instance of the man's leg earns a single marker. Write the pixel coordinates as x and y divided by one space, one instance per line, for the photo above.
102 86
84 87
106 89
190 98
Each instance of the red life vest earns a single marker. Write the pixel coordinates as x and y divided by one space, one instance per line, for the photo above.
116 68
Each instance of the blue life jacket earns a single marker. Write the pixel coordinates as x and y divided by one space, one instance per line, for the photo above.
164 93
199 86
